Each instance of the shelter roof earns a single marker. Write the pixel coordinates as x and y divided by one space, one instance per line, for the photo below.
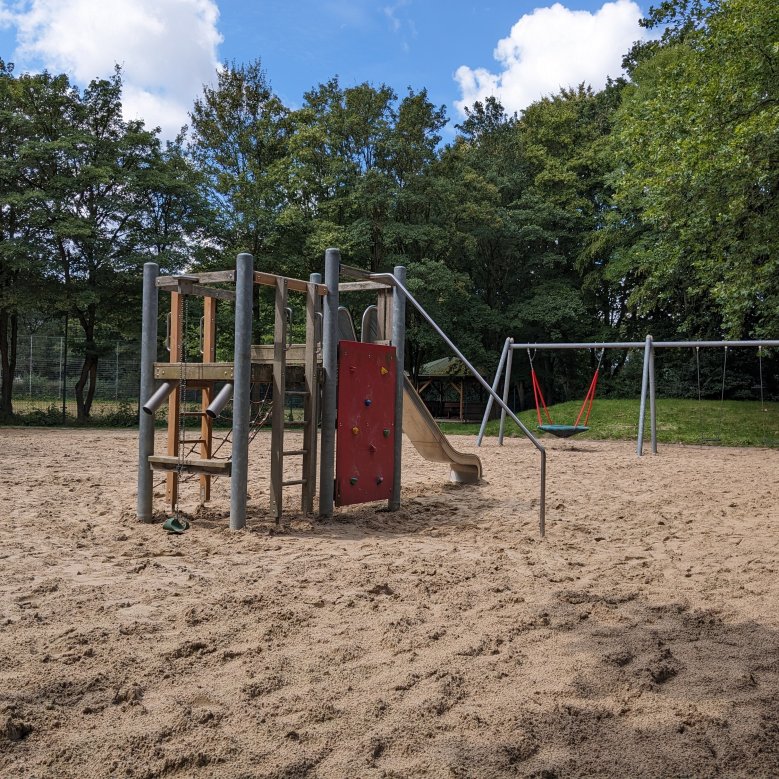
446 367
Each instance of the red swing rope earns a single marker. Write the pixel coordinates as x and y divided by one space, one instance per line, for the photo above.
538 396
589 398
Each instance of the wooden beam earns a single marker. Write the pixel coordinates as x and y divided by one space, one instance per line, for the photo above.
194 371
350 272
201 372
211 277
159 462
361 286
214 277
190 287
297 285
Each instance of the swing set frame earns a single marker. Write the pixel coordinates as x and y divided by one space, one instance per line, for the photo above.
649 345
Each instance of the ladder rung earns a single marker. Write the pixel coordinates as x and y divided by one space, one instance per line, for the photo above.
292 482
293 452
193 441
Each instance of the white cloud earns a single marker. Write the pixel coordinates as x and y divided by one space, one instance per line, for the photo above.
552 48
167 48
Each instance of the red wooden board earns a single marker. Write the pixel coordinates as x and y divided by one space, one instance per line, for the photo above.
365 437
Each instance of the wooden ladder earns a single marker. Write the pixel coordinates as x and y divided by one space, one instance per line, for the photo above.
172 462
307 478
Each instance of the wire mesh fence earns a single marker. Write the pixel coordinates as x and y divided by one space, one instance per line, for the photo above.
47 372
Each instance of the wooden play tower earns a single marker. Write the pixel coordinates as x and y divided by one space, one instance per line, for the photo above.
359 399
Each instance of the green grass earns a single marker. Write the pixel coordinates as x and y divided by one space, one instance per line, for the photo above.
734 423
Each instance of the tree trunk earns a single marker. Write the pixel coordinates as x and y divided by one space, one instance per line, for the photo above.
87 379
9 328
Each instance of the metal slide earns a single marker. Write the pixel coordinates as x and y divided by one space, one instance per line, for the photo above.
431 443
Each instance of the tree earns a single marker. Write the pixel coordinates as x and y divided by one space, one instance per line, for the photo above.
358 165
697 145
238 142
30 105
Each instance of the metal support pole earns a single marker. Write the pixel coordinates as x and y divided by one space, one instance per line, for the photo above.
311 403
146 421
399 342
491 399
644 389
506 388
242 377
330 386
652 406
390 279
65 371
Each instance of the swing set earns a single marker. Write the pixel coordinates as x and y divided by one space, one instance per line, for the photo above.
580 425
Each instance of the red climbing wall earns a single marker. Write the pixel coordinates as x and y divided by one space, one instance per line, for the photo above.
365 437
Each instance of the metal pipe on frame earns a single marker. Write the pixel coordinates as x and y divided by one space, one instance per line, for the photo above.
390 279
216 406
329 386
503 356
242 376
399 342
146 421
506 387
644 390
158 398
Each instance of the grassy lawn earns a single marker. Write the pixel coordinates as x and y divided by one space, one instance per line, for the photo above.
734 423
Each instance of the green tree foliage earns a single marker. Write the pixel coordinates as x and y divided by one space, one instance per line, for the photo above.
358 169
31 107
239 136
697 179
87 198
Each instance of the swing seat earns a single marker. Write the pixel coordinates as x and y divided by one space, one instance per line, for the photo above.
564 431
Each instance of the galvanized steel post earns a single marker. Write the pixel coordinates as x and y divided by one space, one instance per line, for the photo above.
330 383
242 377
506 387
652 406
491 399
399 342
644 390
146 421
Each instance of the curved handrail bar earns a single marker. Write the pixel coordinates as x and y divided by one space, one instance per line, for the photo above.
392 280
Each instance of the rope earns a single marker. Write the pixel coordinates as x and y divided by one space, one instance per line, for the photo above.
589 398
538 395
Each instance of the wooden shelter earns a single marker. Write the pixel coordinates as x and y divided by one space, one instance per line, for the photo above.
450 391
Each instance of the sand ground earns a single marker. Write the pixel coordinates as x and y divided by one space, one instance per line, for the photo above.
638 639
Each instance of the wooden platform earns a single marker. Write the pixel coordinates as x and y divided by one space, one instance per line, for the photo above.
191 465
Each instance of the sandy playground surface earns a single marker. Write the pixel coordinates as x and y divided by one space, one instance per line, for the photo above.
639 639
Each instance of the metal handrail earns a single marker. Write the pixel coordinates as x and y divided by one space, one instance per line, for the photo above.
391 279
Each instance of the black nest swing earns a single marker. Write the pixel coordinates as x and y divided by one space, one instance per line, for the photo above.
563 431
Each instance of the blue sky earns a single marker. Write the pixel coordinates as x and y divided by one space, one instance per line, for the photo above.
459 51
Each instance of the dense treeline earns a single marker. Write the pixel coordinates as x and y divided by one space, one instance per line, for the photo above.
648 206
